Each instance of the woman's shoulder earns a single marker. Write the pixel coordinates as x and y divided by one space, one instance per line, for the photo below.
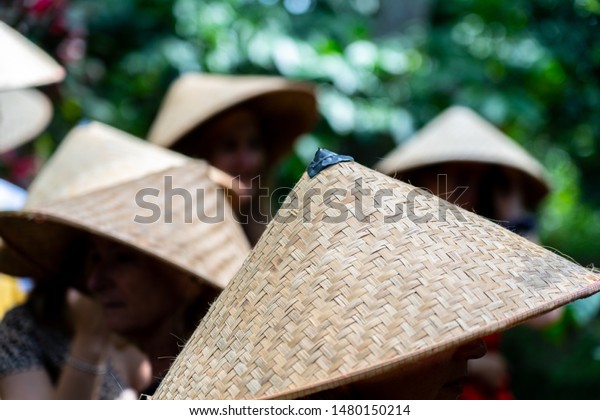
19 317
20 324
19 350
26 345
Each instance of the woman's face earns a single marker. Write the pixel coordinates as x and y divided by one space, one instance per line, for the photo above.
239 147
136 292
440 376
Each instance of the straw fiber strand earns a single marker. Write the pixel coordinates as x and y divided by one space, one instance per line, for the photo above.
319 303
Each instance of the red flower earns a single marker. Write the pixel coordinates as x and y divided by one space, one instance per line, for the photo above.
39 7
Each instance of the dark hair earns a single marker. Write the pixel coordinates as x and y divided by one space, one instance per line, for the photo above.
47 301
494 181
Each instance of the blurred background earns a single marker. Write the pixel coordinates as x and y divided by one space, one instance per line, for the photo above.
384 68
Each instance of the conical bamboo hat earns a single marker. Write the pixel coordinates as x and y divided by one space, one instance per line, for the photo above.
24 64
199 235
461 135
94 157
343 286
287 108
24 114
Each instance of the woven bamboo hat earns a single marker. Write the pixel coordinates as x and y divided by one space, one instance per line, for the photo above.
92 156
144 215
23 115
322 302
90 160
461 135
287 108
24 64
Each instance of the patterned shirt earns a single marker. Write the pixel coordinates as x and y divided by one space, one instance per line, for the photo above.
25 346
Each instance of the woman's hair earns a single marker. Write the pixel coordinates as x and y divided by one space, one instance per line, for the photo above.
47 302
494 181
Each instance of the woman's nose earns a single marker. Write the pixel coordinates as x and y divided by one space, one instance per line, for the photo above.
472 350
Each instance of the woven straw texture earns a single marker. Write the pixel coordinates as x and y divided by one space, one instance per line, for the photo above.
24 64
49 235
286 107
23 115
92 156
318 304
461 135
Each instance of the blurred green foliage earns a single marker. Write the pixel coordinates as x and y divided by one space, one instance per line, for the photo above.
562 362
529 66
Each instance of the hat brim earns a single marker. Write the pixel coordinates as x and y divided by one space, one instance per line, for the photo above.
397 363
57 245
17 265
